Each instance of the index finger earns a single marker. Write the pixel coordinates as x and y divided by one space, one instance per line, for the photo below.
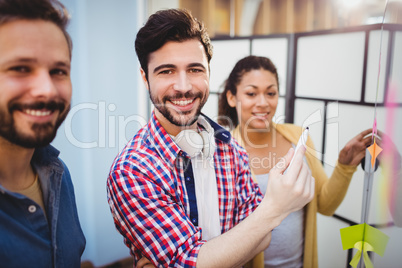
365 133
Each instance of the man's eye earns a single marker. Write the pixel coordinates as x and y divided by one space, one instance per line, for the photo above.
194 70
58 72
20 69
165 72
251 94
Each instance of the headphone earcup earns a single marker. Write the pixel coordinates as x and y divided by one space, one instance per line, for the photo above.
209 144
190 141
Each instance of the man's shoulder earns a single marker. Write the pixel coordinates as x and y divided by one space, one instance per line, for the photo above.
139 144
141 159
237 147
139 152
231 152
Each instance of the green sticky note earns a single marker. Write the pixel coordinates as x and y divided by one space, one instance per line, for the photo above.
377 239
353 234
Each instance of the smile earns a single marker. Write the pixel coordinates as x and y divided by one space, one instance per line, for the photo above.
261 114
37 112
182 102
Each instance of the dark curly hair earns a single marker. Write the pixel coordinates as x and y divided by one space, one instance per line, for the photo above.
169 25
227 115
47 10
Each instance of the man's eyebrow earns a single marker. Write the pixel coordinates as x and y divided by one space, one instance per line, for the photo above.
196 64
65 64
22 60
60 63
163 66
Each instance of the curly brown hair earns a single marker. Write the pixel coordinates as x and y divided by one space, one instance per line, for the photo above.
169 25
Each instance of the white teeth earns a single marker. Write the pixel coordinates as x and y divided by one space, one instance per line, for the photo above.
260 114
182 102
37 112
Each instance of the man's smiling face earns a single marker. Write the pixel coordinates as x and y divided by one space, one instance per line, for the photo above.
35 82
178 83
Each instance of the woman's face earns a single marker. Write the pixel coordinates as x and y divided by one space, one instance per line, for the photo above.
256 99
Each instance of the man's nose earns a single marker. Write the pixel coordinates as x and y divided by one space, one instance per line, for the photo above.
43 85
182 82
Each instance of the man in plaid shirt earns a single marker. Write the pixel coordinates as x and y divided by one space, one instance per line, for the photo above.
176 201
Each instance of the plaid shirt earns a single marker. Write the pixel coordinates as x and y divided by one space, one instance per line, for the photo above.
152 199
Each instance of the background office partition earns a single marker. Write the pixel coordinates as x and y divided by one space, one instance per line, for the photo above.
228 52
328 81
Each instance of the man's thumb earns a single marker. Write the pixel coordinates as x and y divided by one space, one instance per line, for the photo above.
282 165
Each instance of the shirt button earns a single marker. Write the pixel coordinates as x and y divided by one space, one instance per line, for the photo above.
194 220
32 208
188 179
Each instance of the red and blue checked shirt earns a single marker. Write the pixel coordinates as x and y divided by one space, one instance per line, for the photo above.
152 198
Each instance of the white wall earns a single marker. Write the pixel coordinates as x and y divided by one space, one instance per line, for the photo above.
106 111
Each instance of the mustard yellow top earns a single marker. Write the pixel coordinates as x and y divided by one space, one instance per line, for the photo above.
329 193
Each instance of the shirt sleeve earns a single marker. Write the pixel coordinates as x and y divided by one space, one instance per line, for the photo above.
151 219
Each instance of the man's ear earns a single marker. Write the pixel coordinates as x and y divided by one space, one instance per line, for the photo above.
144 78
231 99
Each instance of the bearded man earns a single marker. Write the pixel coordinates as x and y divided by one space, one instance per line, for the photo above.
39 225
181 192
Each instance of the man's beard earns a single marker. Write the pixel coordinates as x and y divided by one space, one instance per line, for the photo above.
43 133
179 120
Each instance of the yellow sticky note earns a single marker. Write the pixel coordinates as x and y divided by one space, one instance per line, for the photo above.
364 238
351 235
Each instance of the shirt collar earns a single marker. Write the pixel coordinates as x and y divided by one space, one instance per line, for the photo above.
46 163
47 156
220 133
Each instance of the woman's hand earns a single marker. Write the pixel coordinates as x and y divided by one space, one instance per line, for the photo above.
355 149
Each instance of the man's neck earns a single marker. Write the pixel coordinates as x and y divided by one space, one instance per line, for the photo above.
15 166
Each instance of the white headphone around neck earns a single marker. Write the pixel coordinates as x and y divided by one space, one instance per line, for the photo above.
194 143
